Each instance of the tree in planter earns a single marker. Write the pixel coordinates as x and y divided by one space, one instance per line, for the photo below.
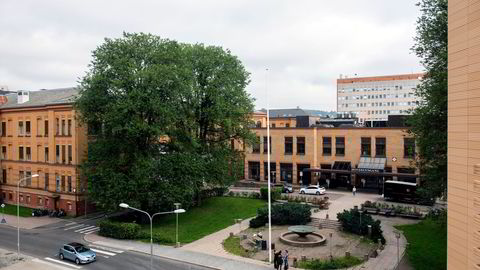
431 136
357 222
162 116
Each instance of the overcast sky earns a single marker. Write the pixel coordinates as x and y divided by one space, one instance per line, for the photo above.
305 44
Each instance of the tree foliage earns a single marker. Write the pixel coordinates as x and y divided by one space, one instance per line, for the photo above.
162 116
429 120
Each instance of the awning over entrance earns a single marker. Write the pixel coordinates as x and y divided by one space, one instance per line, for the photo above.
367 164
342 165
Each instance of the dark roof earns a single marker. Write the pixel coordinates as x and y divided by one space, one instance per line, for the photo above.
296 112
43 98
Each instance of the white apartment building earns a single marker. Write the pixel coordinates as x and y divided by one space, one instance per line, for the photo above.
374 98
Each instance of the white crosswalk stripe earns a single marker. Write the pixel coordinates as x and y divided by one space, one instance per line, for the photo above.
53 265
103 252
83 228
69 265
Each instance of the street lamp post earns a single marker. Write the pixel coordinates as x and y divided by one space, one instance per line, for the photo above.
18 210
3 216
177 206
331 255
176 211
397 235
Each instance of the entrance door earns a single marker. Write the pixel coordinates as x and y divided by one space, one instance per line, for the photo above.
306 178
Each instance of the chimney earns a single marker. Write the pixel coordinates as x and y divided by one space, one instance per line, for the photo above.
23 96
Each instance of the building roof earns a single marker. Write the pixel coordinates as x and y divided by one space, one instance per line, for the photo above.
295 112
43 98
413 76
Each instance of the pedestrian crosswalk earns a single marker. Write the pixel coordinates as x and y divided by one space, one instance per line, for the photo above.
81 228
55 263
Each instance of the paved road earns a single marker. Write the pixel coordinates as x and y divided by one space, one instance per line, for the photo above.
43 243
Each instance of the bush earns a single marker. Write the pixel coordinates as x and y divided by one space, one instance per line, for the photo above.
118 230
283 214
276 193
157 238
213 192
357 222
336 263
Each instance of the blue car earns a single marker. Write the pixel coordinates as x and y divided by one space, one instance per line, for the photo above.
77 252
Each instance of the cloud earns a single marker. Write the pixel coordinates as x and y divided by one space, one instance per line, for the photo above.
305 44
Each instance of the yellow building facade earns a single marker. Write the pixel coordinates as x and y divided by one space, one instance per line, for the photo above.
41 135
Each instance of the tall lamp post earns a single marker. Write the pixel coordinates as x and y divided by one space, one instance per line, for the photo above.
18 210
176 211
177 206
397 235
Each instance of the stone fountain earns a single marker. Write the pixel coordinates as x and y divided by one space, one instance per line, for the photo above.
302 236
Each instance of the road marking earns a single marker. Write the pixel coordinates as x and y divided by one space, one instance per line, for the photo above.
55 266
86 228
107 248
81 225
69 224
64 263
103 252
90 230
96 230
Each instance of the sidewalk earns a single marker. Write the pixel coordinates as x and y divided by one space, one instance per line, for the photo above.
29 222
178 254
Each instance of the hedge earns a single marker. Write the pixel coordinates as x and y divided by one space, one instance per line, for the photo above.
119 230
276 193
357 222
283 214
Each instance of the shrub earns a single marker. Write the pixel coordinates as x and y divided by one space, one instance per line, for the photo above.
336 263
118 230
213 192
157 238
276 193
357 222
283 214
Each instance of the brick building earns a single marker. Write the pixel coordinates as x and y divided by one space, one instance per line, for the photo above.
40 135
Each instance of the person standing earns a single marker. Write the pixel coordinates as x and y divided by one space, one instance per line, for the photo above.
275 259
354 190
285 260
328 183
279 260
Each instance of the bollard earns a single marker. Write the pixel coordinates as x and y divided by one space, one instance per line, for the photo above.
365 257
231 234
295 263
326 216
244 236
347 253
369 231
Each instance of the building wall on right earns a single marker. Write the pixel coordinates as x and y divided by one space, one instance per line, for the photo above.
463 134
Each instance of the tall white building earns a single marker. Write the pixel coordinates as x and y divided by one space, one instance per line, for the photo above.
374 98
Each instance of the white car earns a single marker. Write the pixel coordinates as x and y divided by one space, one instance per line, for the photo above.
316 190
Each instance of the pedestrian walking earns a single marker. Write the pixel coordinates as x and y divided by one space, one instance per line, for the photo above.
328 183
285 260
354 190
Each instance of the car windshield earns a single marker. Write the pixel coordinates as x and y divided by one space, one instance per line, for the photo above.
81 249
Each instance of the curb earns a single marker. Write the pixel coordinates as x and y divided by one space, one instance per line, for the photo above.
165 257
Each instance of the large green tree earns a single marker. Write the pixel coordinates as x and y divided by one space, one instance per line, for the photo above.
429 120
162 116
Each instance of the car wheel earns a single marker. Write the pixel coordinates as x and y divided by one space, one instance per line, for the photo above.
318 192
77 261
61 256
302 192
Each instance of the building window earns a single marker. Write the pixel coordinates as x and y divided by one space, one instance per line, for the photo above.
265 145
340 146
327 146
380 147
46 128
4 152
273 125
287 125
21 130
273 168
409 147
254 170
69 208
39 201
259 124
21 175
27 128
28 178
4 176
4 129
57 182
46 154
10 196
69 181
20 152
28 151
28 199
300 145
69 129
256 146
57 126
46 181
366 147
70 154
286 172
288 145
63 128
63 183
57 153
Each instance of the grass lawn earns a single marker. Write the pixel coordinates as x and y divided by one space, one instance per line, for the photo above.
232 245
427 244
12 210
213 215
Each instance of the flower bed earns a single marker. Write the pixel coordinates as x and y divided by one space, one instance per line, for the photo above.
391 210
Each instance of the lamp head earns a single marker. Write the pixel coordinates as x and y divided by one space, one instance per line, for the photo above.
179 211
124 205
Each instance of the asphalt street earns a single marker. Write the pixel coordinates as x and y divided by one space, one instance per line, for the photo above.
43 243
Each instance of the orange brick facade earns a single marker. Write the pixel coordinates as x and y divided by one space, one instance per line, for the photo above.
48 141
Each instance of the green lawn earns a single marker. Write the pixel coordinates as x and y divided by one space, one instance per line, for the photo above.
213 215
12 210
427 244
232 245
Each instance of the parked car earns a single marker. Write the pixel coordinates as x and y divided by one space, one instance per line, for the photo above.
287 188
317 190
77 252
